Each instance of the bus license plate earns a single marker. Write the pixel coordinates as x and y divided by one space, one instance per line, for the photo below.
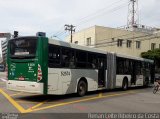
21 78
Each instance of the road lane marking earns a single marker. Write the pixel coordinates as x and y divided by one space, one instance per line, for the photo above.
12 101
19 93
35 108
100 95
38 105
82 100
26 102
3 79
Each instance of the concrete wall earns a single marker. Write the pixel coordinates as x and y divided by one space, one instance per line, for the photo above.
82 36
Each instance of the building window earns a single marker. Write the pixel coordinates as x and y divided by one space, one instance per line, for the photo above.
119 42
129 42
153 46
138 44
76 42
89 41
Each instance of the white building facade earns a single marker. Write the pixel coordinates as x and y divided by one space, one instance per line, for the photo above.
129 42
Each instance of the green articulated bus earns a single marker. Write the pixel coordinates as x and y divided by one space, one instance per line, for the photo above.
46 66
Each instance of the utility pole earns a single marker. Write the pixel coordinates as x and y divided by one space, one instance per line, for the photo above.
70 28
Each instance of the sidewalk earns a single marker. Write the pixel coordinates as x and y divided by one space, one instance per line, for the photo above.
3 76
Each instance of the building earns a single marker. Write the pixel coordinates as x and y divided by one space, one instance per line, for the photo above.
4 50
1 60
4 43
124 41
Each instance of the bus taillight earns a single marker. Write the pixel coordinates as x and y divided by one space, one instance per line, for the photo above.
39 76
21 78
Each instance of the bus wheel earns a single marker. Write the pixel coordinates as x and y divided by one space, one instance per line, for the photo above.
125 84
82 88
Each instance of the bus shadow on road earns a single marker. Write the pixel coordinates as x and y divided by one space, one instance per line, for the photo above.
52 98
41 98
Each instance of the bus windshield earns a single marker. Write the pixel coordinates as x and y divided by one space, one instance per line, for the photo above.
23 47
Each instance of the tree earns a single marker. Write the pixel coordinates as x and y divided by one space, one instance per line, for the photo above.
153 55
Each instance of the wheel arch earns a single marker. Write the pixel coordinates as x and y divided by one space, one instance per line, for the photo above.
82 79
125 80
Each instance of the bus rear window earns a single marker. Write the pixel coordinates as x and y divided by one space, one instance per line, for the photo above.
23 47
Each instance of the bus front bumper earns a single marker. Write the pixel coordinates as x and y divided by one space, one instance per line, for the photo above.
25 86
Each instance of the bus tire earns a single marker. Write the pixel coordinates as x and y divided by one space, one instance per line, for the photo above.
125 84
82 88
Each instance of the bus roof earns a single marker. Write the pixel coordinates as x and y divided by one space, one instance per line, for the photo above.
135 58
75 46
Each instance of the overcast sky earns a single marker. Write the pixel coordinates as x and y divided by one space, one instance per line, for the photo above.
50 16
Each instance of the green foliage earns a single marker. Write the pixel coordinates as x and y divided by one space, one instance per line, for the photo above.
153 55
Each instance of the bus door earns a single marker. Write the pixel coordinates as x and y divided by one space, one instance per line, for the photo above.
101 71
133 72
152 72
137 74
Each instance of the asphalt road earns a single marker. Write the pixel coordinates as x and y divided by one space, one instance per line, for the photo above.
135 100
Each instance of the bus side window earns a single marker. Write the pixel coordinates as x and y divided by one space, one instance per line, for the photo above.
138 68
54 56
68 58
94 64
102 61
120 65
81 57
130 67
126 66
72 62
92 61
